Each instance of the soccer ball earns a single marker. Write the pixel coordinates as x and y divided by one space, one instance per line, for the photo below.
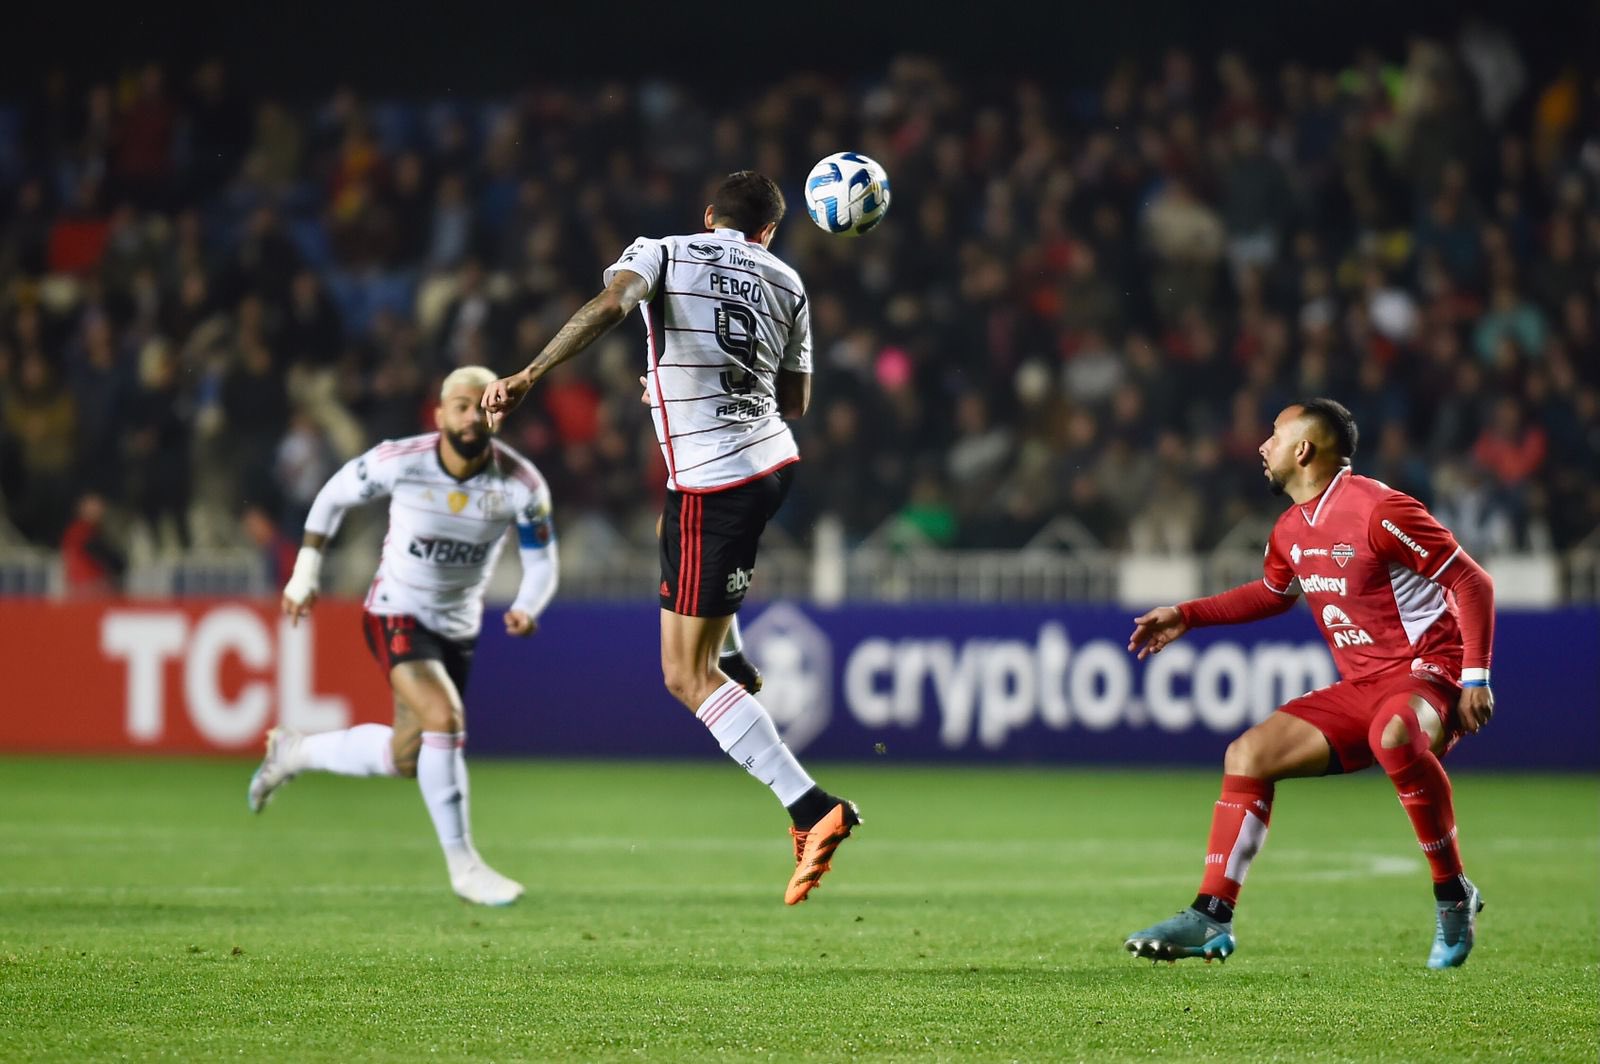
847 194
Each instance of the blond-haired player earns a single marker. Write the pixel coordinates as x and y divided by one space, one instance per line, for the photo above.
453 494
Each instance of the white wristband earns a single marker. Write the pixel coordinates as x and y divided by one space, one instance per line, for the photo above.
1475 677
307 573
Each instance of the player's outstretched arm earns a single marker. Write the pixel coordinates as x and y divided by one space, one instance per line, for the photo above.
1247 602
1154 630
593 320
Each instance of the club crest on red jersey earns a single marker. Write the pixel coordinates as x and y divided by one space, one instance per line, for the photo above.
1342 553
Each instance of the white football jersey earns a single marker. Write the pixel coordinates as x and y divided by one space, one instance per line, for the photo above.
723 316
444 535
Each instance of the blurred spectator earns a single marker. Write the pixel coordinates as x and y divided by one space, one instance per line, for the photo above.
927 519
473 322
303 464
40 423
1256 201
145 131
275 155
219 130
1187 238
102 386
1509 318
311 332
1398 464
256 411
1512 451
159 432
26 242
1468 504
452 236
278 551
91 565
978 454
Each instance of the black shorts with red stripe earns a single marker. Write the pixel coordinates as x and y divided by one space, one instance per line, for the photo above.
709 540
398 638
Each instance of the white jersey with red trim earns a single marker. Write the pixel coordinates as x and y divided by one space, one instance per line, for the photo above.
1367 557
445 535
723 315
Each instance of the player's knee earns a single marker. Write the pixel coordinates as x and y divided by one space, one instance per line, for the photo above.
1395 726
681 682
438 716
1245 756
687 680
1393 732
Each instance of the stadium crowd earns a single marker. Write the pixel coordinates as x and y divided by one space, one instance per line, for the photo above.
1086 301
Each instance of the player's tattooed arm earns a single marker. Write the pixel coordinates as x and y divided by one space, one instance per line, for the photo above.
593 320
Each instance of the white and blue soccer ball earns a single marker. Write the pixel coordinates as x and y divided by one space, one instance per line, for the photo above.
847 193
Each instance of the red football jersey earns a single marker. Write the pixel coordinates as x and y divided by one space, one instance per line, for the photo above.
1366 557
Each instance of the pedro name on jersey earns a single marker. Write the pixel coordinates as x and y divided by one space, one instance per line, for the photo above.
1367 557
445 535
722 317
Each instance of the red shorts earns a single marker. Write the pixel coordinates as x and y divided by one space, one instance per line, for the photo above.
1344 712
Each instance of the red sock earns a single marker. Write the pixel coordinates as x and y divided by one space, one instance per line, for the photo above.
1238 828
1424 791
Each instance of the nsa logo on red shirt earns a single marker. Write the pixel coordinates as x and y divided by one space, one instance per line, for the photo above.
1342 553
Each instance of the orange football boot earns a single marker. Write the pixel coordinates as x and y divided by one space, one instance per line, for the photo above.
813 849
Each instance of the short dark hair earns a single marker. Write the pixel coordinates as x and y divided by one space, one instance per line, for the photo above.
748 201
1336 419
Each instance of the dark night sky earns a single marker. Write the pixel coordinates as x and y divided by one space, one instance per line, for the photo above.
301 49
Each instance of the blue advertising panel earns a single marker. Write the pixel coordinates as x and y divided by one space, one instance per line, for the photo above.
953 682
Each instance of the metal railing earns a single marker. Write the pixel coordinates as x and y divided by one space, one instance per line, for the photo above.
630 573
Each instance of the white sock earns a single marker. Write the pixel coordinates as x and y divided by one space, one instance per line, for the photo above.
741 726
733 642
466 791
365 750
442 777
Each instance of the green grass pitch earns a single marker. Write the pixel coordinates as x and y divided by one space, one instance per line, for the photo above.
977 915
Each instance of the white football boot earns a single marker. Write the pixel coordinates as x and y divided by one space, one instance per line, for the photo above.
474 881
276 769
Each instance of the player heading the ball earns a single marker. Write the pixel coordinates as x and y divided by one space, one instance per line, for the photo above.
728 362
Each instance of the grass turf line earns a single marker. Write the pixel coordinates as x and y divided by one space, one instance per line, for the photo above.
978 914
